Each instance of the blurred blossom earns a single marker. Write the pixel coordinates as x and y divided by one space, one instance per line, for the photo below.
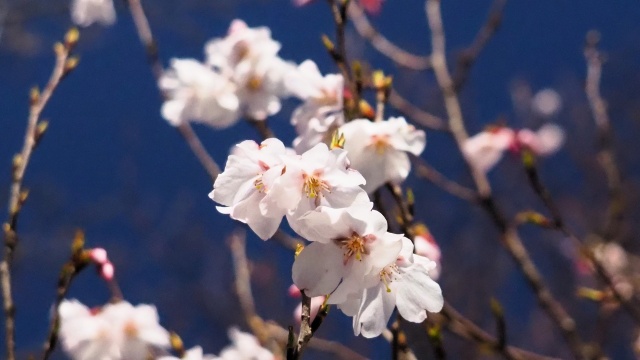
194 353
546 103
322 112
426 245
485 149
116 331
87 12
378 150
244 347
248 57
196 93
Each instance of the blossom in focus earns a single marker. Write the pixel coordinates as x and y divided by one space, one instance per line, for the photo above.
349 248
248 57
247 178
197 93
405 284
195 353
244 347
378 150
321 113
485 149
87 12
114 332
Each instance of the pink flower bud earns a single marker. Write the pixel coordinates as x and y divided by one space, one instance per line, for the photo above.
294 292
99 256
107 271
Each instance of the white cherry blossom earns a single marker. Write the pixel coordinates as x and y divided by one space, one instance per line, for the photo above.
404 284
87 12
115 332
349 248
244 347
248 57
248 177
195 353
321 113
197 93
425 245
378 150
485 149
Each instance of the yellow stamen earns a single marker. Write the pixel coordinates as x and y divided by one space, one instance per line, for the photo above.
313 186
353 246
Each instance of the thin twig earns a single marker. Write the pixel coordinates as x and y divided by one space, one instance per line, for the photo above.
468 56
426 171
416 114
382 44
461 326
509 236
18 195
629 304
606 155
151 49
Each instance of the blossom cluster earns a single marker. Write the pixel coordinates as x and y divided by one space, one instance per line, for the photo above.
122 331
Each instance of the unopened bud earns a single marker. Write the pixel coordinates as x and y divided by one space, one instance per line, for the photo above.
99 256
107 271
71 37
78 242
378 79
41 128
34 95
176 343
366 110
59 48
591 294
299 248
71 64
328 43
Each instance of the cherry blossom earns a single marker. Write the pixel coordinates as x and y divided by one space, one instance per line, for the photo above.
113 332
321 113
370 6
425 245
244 347
349 247
197 93
546 103
485 149
378 150
248 177
194 353
248 57
404 284
87 12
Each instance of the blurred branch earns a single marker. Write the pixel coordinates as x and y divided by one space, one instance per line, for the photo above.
416 114
509 235
382 44
461 326
64 64
630 304
606 156
468 56
426 171
151 48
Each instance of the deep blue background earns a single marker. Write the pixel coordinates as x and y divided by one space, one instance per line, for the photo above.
109 164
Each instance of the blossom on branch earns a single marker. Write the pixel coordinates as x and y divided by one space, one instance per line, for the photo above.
378 150
87 12
197 93
484 150
116 331
244 347
194 353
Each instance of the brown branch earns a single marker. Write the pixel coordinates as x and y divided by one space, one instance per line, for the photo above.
463 327
509 236
426 171
151 48
416 114
35 130
382 44
468 56
606 155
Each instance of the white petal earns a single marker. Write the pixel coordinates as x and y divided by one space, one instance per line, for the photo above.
318 269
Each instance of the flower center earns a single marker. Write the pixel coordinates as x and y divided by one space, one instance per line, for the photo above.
386 275
259 185
380 143
130 329
254 83
353 246
313 186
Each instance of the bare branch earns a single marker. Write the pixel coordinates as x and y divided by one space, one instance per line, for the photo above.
35 130
382 44
416 114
